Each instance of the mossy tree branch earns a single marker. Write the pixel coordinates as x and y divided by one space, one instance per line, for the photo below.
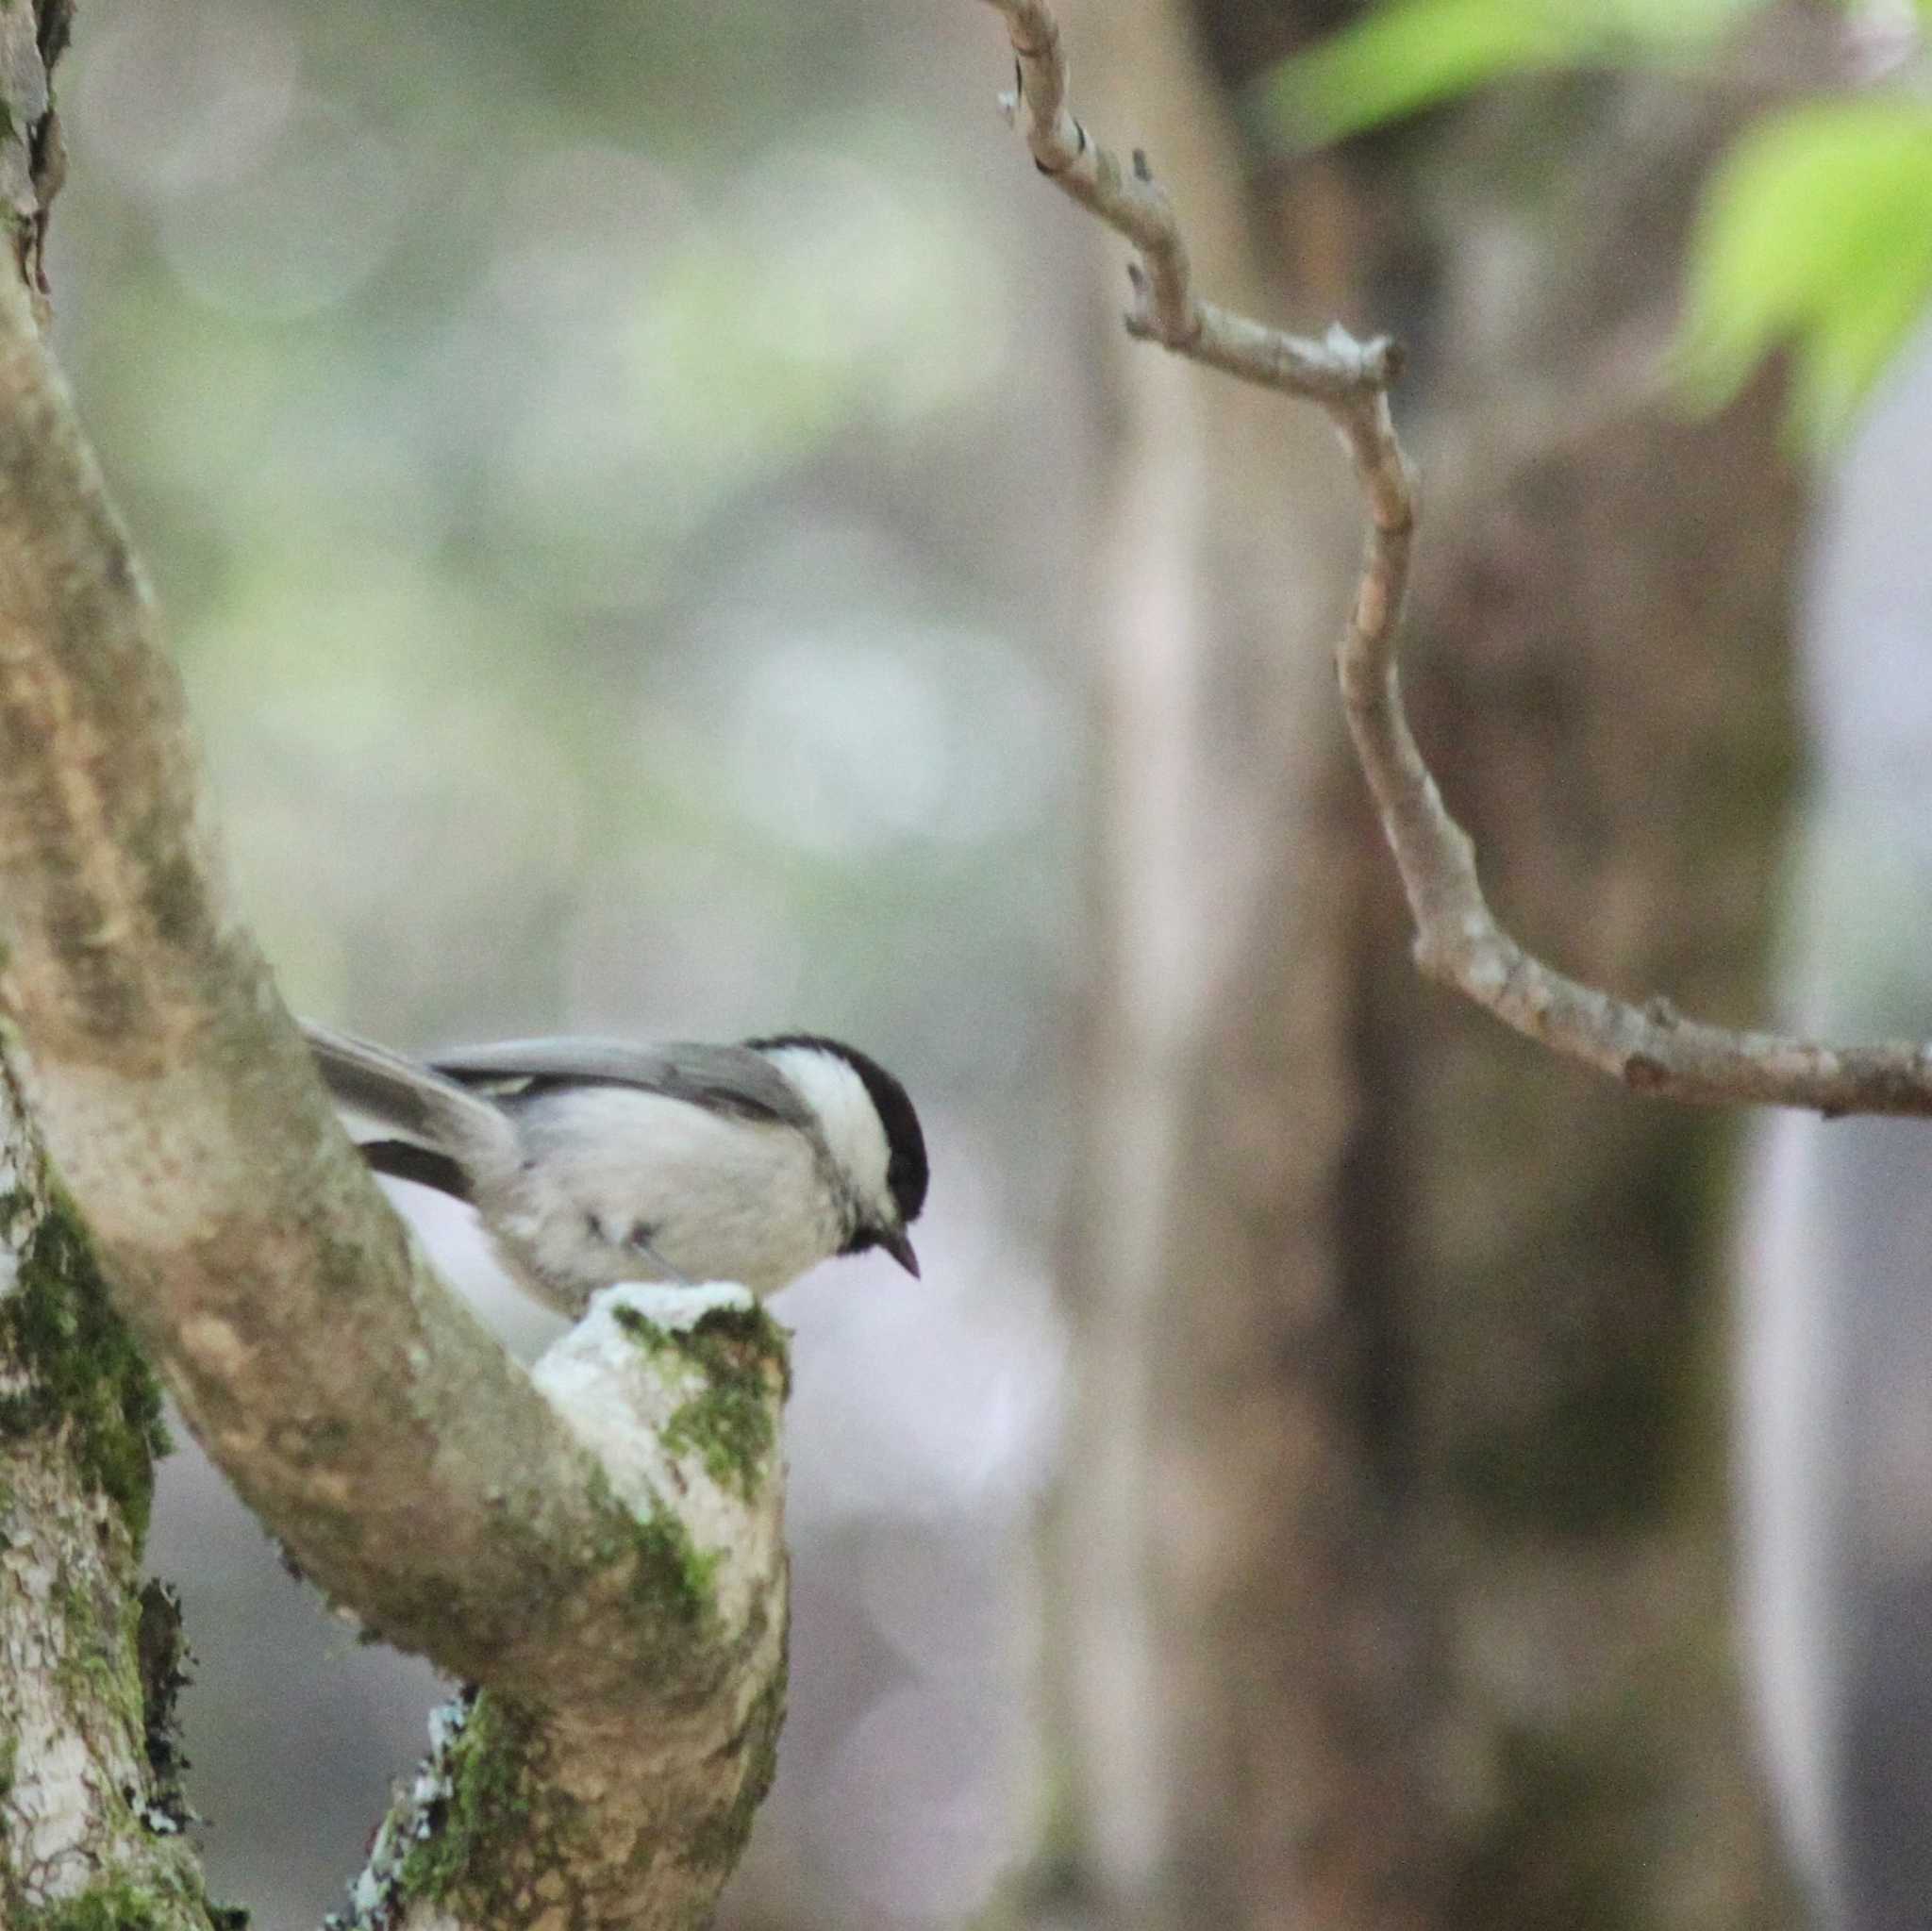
512 1816
623 1608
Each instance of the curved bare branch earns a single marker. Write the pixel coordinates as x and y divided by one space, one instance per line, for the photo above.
1458 940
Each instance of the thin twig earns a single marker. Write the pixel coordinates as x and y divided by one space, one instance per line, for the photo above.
1650 1048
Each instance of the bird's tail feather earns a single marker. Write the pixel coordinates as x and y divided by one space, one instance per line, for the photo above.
454 1129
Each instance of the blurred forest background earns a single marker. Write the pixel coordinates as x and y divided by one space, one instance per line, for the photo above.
664 536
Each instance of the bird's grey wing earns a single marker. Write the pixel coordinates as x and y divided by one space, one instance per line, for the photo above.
723 1079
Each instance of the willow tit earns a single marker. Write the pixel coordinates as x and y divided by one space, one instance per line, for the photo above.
592 1162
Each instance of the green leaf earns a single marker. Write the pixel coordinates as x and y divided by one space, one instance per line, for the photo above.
1406 57
1633 28
1409 55
1816 231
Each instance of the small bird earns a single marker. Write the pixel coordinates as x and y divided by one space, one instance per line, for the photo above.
592 1161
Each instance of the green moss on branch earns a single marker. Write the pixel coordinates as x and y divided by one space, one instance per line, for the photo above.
483 1809
741 1363
82 1370
671 1578
115 1905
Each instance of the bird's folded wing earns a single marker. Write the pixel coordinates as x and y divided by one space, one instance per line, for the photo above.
722 1079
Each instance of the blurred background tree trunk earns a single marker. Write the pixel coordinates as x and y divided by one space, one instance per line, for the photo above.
1390 1571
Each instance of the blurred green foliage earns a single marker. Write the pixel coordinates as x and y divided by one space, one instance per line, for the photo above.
1408 55
607 471
1813 232
549 424
1816 230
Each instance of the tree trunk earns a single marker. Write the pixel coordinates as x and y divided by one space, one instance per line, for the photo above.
91 1805
1391 1554
1209 1452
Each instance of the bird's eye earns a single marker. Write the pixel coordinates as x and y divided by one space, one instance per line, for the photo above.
642 1238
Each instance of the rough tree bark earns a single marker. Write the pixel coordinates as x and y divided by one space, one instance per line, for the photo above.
598 1546
90 1794
1422 1616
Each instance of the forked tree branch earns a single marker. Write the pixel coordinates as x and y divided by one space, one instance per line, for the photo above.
1649 1047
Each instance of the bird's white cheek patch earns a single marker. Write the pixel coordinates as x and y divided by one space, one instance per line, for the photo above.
846 1116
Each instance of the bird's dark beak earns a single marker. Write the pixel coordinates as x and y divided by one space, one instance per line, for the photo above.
894 1240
